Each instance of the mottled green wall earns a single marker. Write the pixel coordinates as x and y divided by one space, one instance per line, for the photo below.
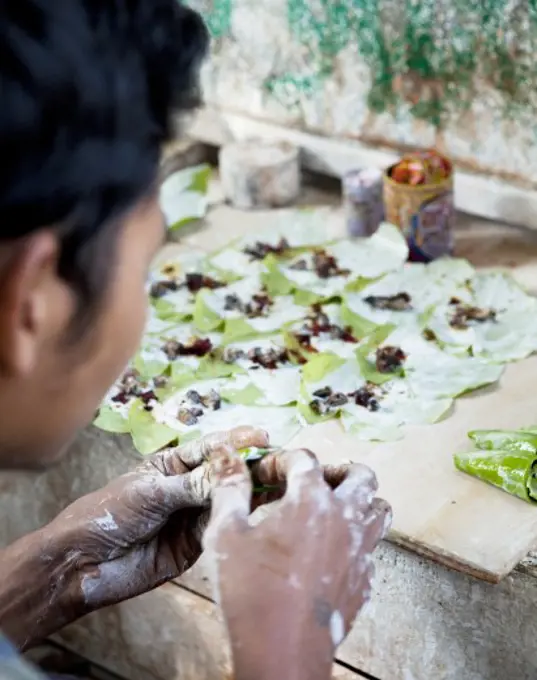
426 55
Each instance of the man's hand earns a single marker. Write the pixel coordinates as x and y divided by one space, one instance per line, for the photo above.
139 531
145 527
291 586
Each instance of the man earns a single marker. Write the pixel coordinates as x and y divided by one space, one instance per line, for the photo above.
89 92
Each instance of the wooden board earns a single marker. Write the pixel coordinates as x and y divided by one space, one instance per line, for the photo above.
439 512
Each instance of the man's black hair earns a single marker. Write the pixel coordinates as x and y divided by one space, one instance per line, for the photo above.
89 92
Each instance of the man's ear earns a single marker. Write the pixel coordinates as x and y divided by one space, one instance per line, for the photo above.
35 305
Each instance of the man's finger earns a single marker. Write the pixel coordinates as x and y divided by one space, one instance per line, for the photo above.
377 522
189 490
194 453
231 496
271 470
303 473
359 487
334 475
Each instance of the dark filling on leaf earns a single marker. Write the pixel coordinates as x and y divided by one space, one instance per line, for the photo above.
194 282
132 386
326 266
193 408
366 397
259 250
299 265
259 305
270 357
160 288
318 322
389 359
464 314
197 347
396 303
327 401
429 335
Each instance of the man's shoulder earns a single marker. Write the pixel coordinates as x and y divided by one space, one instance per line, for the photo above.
13 666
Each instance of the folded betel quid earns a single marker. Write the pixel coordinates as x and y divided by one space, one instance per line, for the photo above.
504 458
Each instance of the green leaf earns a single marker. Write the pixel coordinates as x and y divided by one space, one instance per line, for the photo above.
305 410
210 369
426 316
360 326
511 471
504 440
190 208
238 329
181 375
205 319
305 298
166 311
247 396
320 365
149 368
273 279
111 421
200 179
222 275
148 436
370 373
292 344
376 338
357 285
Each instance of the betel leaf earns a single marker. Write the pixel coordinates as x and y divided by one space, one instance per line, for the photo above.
238 329
320 365
166 311
249 395
274 281
305 298
111 421
360 326
295 348
205 319
358 284
149 368
210 369
504 440
376 338
189 207
183 196
370 373
511 471
181 375
370 344
309 415
147 434
201 177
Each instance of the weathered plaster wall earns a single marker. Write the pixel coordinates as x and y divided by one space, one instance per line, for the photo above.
459 74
